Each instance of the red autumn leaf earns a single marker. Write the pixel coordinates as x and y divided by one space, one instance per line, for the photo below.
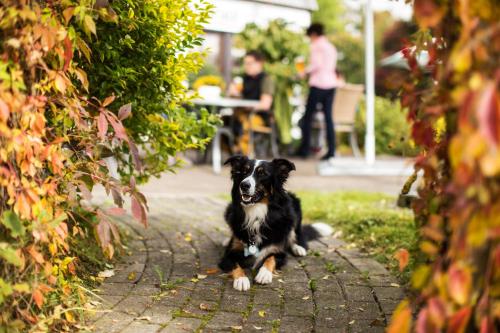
437 312
458 322
402 256
102 126
488 113
68 53
135 155
38 298
117 127
124 111
138 211
459 284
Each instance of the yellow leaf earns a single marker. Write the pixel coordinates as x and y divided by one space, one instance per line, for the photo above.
262 313
131 276
401 319
188 237
89 24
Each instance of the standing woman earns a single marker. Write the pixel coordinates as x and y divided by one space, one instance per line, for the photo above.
322 83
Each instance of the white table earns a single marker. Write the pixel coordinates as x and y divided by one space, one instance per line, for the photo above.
223 103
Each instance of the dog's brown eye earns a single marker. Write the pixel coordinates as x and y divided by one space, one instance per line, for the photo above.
261 171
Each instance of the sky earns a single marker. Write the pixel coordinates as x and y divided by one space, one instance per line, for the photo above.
398 8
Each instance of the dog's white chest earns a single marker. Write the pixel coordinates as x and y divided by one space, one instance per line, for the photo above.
255 216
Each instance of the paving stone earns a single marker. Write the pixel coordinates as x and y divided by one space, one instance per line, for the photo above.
113 322
364 310
368 265
299 308
159 314
182 325
388 293
295 324
134 304
114 289
363 326
359 293
141 327
223 322
271 297
235 302
200 308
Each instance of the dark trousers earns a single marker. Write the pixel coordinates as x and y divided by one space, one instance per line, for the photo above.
325 98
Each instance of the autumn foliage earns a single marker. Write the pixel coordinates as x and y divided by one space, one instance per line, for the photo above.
55 137
454 106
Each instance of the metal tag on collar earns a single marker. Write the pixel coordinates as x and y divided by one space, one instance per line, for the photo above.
251 250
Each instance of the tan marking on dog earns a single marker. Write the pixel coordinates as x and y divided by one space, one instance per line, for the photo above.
270 264
238 272
237 244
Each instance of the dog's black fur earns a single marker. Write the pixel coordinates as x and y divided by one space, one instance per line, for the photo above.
282 226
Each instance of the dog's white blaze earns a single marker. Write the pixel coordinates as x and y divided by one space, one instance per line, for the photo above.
323 229
251 179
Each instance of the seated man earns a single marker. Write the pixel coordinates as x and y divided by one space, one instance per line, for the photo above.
257 85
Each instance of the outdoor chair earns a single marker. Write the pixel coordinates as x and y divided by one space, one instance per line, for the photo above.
268 131
344 113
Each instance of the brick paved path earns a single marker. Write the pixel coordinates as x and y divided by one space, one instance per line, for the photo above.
168 283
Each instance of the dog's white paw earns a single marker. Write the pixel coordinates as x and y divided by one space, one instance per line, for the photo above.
241 283
264 276
298 250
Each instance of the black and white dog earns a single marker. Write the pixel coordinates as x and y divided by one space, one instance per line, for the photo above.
265 221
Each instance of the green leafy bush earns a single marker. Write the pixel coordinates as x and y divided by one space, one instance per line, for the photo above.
392 130
144 58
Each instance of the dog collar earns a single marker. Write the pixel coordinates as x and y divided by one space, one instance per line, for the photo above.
251 250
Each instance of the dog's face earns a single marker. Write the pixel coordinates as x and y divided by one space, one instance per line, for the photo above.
256 180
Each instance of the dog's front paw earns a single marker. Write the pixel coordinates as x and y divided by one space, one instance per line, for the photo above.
241 283
299 251
264 276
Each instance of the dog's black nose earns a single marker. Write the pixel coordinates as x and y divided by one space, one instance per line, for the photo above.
244 186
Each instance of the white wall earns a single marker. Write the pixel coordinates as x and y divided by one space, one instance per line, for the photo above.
232 15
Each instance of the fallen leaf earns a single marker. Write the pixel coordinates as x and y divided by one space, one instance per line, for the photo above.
106 273
201 276
146 318
258 328
164 251
194 280
262 313
326 277
281 281
131 276
188 237
352 322
305 298
204 307
395 285
237 328
212 270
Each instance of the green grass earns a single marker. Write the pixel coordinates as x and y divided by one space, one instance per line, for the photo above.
371 221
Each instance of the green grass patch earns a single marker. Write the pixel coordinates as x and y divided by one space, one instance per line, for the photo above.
371 221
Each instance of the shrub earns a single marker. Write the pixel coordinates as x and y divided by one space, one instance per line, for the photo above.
144 59
54 135
458 208
392 131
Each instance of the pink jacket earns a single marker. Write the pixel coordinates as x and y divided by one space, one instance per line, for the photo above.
322 65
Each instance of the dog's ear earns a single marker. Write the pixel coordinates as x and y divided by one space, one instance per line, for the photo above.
236 160
282 168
